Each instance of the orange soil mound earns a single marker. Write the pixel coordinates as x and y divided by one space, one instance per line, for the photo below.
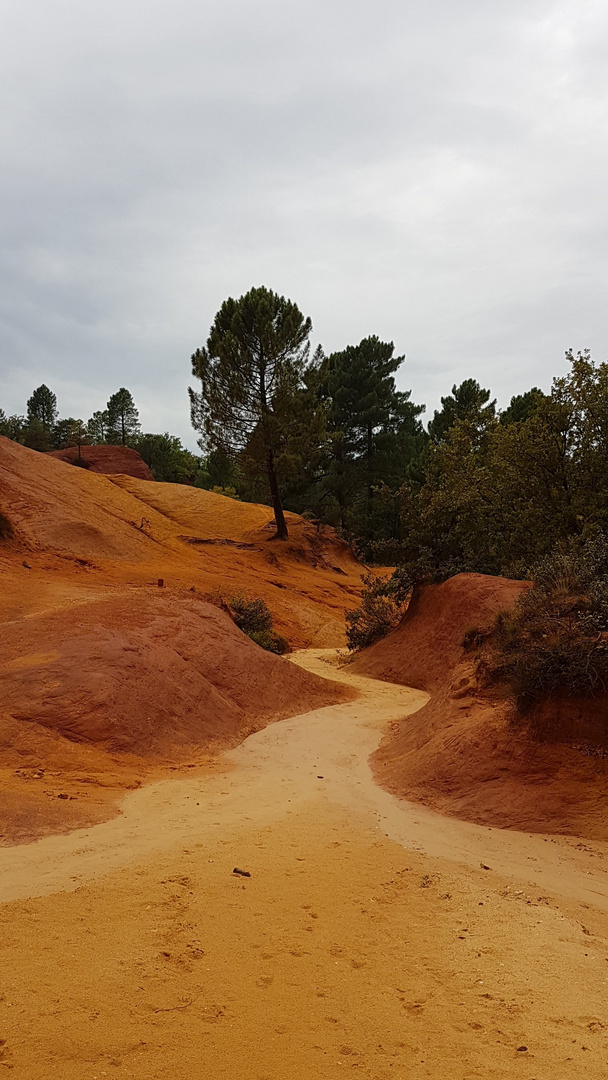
81 532
106 459
459 754
97 697
94 651
427 645
151 675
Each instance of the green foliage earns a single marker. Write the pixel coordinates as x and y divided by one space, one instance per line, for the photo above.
70 432
469 403
380 611
38 437
522 406
42 408
252 374
254 618
251 615
98 426
13 427
218 470
270 641
169 461
498 499
555 641
38 431
376 437
122 417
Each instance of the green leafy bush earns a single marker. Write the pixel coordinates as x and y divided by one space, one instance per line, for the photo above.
270 641
383 602
254 618
555 641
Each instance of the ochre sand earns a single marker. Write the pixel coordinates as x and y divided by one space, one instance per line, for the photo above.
373 934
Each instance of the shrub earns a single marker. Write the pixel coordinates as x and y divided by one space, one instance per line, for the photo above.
382 606
270 641
555 641
251 615
254 618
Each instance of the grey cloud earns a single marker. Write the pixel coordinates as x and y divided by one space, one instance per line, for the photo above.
431 172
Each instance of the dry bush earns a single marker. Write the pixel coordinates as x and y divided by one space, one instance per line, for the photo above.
379 612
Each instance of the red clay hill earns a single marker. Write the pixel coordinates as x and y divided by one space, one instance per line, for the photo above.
107 678
461 754
105 459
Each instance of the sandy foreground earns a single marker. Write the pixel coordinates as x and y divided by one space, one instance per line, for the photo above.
373 938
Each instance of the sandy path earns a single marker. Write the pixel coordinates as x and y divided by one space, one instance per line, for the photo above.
148 958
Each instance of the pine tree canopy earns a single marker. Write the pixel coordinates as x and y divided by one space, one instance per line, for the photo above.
251 369
468 402
42 407
122 416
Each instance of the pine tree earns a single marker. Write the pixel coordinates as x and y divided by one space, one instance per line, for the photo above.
251 369
98 426
469 402
42 407
122 416
522 406
71 432
374 427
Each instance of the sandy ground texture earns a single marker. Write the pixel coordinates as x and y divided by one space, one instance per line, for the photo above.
373 938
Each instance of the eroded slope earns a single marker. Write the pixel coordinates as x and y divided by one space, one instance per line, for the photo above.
461 754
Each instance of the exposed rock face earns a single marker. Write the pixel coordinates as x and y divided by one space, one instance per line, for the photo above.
106 459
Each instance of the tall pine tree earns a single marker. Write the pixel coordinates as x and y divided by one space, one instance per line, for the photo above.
98 426
469 402
374 428
251 371
122 416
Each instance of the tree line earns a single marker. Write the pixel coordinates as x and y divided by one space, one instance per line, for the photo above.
118 424
331 437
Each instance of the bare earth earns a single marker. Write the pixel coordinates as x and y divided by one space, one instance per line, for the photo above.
373 935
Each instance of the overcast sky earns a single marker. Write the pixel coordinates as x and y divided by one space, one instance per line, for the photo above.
431 172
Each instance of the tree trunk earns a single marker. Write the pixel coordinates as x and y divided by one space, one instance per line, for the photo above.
370 450
342 509
277 506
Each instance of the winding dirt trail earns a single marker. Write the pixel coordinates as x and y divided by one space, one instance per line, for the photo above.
372 934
